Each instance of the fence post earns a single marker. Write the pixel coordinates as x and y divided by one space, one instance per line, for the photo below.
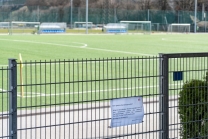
12 99
163 99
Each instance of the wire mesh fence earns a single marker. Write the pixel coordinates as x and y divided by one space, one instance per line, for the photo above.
4 114
71 98
101 16
187 114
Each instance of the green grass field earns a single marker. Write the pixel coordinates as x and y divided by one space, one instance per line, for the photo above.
91 46
51 47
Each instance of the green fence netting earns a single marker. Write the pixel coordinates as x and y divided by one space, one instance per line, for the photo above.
95 15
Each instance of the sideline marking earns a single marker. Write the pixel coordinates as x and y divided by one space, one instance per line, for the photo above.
47 43
33 94
3 65
119 51
84 46
3 90
164 39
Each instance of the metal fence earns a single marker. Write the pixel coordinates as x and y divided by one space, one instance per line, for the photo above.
96 15
177 71
70 98
160 19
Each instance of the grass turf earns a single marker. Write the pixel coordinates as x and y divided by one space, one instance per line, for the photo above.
51 47
55 47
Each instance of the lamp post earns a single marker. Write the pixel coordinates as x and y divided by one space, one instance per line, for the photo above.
71 4
86 16
195 14
38 10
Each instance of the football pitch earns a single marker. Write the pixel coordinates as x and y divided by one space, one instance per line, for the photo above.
55 47
92 46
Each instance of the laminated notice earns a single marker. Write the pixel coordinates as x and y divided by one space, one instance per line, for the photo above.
126 111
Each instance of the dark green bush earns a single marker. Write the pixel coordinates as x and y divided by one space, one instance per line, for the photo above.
193 109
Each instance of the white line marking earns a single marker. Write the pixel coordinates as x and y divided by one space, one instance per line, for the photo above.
3 65
164 39
2 90
47 43
83 46
33 94
119 51
56 44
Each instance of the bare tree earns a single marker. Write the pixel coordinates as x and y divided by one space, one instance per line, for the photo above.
162 4
183 4
59 4
144 4
35 3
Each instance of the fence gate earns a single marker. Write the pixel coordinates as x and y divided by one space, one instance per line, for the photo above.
176 71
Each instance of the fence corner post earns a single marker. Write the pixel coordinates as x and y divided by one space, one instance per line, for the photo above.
12 99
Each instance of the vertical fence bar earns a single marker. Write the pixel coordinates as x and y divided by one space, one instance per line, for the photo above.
163 99
12 99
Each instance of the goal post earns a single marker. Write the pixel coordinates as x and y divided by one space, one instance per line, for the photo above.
179 28
82 25
24 27
4 27
115 28
4 24
138 26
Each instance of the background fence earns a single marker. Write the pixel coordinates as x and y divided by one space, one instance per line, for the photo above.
160 19
96 15
70 99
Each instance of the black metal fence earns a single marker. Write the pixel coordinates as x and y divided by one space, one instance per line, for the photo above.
4 101
70 98
185 73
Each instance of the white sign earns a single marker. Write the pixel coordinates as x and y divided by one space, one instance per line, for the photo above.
126 111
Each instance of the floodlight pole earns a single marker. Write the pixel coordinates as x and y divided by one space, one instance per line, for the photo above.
202 11
148 15
203 17
71 13
195 14
38 14
205 22
86 16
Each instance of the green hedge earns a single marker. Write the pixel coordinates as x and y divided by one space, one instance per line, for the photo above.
193 109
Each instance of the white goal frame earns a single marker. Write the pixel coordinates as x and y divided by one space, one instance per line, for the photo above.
170 28
23 27
5 25
139 22
115 28
89 24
